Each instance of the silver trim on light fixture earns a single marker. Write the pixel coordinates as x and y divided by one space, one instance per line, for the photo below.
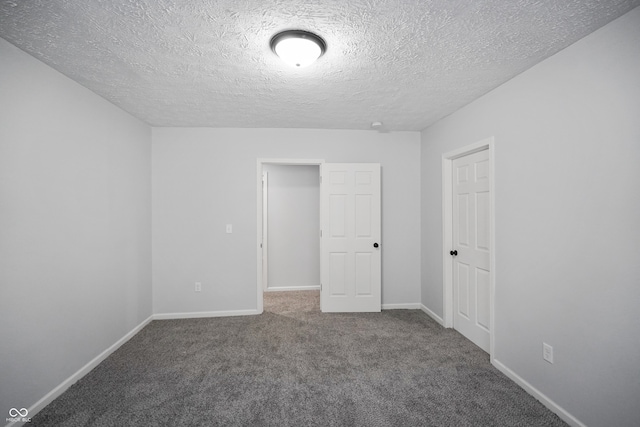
298 34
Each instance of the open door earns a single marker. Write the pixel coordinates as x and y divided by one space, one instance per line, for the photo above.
265 230
350 253
471 247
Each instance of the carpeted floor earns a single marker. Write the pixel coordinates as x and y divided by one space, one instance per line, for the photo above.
295 366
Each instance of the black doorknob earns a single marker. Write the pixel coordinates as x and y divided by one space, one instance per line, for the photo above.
375 245
453 253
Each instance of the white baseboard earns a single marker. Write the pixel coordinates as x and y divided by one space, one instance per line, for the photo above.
550 404
432 314
292 288
405 306
199 314
62 387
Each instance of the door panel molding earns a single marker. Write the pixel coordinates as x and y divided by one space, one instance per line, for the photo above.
471 227
447 229
350 218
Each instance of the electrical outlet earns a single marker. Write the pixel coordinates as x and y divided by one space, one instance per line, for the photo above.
229 228
547 352
198 286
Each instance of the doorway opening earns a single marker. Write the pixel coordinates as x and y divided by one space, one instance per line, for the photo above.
288 225
468 216
291 224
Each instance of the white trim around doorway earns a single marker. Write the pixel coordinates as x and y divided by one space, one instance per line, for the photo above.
259 213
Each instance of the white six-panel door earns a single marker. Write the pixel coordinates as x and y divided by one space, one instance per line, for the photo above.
350 265
471 251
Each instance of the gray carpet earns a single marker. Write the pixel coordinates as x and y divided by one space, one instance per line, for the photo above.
294 366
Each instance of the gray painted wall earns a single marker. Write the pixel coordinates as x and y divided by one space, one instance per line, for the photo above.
567 147
294 226
206 178
75 234
75 253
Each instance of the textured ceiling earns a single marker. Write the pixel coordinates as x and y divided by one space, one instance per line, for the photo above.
406 63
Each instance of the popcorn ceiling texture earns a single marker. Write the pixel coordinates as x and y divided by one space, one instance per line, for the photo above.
208 63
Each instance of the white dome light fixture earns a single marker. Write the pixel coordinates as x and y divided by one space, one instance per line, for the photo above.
298 48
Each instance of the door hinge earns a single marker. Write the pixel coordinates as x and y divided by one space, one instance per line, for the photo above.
320 233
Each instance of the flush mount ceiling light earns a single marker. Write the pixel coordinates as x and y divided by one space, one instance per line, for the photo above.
298 48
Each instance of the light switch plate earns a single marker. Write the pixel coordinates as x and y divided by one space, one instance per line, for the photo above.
547 352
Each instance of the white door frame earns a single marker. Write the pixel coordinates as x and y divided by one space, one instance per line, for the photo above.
259 211
264 245
447 233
